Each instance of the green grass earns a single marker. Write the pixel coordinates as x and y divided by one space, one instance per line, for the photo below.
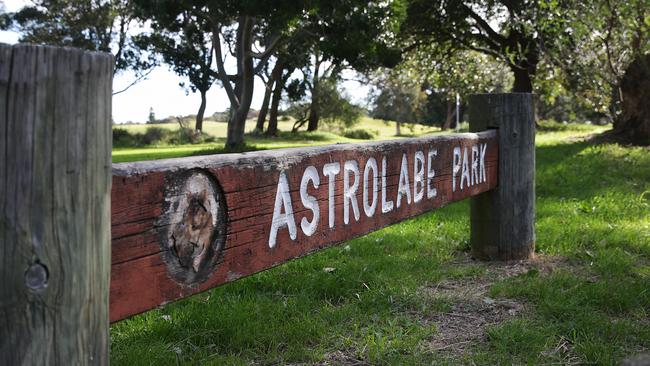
382 129
593 210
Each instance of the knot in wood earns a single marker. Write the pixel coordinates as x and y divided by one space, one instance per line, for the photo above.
36 277
194 214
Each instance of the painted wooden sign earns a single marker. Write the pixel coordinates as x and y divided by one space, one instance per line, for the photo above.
181 226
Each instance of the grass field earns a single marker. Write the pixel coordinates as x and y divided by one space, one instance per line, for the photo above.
410 295
382 129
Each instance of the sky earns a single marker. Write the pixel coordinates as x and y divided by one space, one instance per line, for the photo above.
161 90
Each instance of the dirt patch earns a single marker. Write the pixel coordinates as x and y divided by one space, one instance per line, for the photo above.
467 308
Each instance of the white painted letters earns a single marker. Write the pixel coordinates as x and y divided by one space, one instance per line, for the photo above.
482 163
371 164
310 202
467 170
431 191
418 176
475 177
455 168
331 170
464 177
386 206
403 187
350 192
282 200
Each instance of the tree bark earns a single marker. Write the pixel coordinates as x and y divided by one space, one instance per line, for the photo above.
523 82
264 109
314 114
451 113
634 122
198 127
243 85
273 116
275 75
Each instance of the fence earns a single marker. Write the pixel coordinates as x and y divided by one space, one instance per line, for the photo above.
171 228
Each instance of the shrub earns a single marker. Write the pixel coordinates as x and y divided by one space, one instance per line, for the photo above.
155 135
123 138
360 134
159 136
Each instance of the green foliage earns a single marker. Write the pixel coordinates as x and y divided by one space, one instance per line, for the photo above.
399 98
124 138
335 109
360 134
93 25
508 31
158 136
594 44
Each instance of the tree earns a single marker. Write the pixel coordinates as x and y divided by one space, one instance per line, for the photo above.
510 31
335 109
603 53
354 34
93 25
152 116
423 88
448 74
241 28
399 98
185 44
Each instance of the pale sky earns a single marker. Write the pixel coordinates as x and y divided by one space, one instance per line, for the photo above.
161 90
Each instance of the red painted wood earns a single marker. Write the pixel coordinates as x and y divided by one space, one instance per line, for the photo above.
139 276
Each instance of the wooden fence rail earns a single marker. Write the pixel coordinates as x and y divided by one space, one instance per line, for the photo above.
182 226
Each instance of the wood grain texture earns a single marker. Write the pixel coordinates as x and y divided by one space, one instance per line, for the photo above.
162 230
55 156
503 220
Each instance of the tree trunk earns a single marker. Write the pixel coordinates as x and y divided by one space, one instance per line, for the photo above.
634 123
523 82
261 117
276 74
272 130
314 114
198 127
451 113
398 128
243 85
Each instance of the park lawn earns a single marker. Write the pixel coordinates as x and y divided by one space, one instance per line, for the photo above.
410 294
381 129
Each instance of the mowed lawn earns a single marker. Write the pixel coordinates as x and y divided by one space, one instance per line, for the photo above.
381 129
410 295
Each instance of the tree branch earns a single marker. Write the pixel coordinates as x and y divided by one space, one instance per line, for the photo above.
137 80
492 34
268 50
221 70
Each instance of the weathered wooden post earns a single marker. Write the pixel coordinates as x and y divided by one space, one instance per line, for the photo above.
55 169
503 220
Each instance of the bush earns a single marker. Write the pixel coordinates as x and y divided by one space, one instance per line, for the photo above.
123 138
155 135
360 134
159 136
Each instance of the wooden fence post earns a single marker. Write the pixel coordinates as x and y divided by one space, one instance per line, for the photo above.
55 170
503 220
